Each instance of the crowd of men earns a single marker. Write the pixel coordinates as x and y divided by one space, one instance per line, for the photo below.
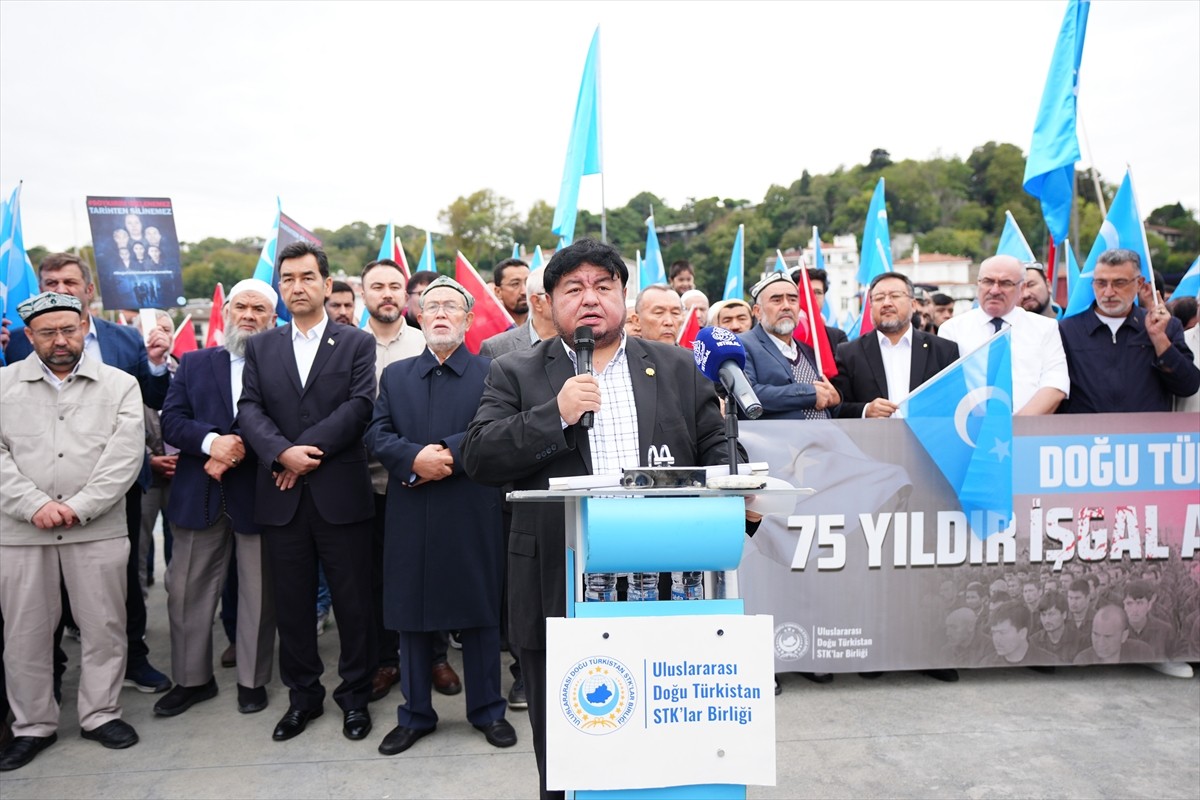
374 460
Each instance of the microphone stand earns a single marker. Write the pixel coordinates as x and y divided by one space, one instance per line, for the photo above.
725 392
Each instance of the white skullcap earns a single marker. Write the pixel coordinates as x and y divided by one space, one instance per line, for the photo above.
254 285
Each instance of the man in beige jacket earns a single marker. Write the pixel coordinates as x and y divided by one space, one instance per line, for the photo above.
71 444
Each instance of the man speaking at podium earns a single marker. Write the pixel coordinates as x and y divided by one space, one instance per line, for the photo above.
528 429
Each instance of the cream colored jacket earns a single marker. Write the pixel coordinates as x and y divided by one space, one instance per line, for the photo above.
81 445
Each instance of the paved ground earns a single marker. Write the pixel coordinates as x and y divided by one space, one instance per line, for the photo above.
1081 733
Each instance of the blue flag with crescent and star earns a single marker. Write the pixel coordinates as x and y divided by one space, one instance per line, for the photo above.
1121 228
963 418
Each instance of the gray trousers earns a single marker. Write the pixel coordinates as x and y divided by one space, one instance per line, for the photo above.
95 574
194 579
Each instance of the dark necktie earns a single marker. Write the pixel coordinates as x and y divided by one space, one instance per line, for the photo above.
997 323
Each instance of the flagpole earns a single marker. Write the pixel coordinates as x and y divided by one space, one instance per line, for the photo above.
600 144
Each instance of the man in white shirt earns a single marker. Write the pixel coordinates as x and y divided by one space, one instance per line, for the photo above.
1039 364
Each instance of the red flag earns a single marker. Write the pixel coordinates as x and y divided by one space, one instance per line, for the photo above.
216 319
867 324
689 329
490 315
399 257
185 338
815 336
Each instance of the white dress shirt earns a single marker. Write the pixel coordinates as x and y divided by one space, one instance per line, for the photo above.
305 346
1038 358
897 364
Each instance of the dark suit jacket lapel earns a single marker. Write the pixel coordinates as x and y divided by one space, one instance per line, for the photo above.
875 362
764 339
220 368
643 374
324 352
920 357
289 357
559 370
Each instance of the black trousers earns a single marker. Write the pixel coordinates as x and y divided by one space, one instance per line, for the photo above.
293 552
389 641
533 668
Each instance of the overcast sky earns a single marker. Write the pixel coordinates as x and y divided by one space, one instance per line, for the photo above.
373 111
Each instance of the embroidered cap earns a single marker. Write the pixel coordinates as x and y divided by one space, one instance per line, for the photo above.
46 302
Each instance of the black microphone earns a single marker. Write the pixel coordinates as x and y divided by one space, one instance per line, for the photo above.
720 356
585 343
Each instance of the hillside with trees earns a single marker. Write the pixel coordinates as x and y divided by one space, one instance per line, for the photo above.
949 204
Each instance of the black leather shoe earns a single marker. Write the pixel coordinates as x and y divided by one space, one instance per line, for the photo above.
253 700
294 722
400 739
499 733
818 677
943 675
115 734
23 749
356 723
181 698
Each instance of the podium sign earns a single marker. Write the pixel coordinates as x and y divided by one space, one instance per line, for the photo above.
639 702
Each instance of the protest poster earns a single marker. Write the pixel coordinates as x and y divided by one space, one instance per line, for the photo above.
137 252
880 570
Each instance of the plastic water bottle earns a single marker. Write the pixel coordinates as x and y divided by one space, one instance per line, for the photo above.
687 586
600 587
643 586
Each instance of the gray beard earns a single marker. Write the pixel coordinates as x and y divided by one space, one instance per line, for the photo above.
235 341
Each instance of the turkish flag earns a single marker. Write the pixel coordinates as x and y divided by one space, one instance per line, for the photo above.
687 334
185 338
814 334
399 257
867 325
490 316
216 319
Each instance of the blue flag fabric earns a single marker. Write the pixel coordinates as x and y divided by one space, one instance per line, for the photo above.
735 278
963 419
583 148
18 281
265 269
876 252
516 253
1121 228
1012 241
388 246
652 270
1050 168
1189 285
427 261
538 259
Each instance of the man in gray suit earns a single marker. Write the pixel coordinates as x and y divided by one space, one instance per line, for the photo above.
538 325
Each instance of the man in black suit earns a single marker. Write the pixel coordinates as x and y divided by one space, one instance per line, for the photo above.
527 430
879 369
307 394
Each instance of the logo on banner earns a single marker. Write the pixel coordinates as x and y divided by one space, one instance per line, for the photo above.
791 642
598 695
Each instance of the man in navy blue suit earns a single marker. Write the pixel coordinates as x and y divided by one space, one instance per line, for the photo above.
444 541
783 371
212 511
307 394
121 347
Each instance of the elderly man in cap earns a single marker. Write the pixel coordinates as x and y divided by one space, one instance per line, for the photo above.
71 445
444 546
782 370
212 511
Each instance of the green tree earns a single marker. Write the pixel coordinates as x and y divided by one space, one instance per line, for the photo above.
481 226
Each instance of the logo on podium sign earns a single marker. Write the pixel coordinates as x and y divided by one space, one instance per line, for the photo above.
598 695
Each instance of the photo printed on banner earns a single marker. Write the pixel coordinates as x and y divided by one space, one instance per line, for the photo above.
137 252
